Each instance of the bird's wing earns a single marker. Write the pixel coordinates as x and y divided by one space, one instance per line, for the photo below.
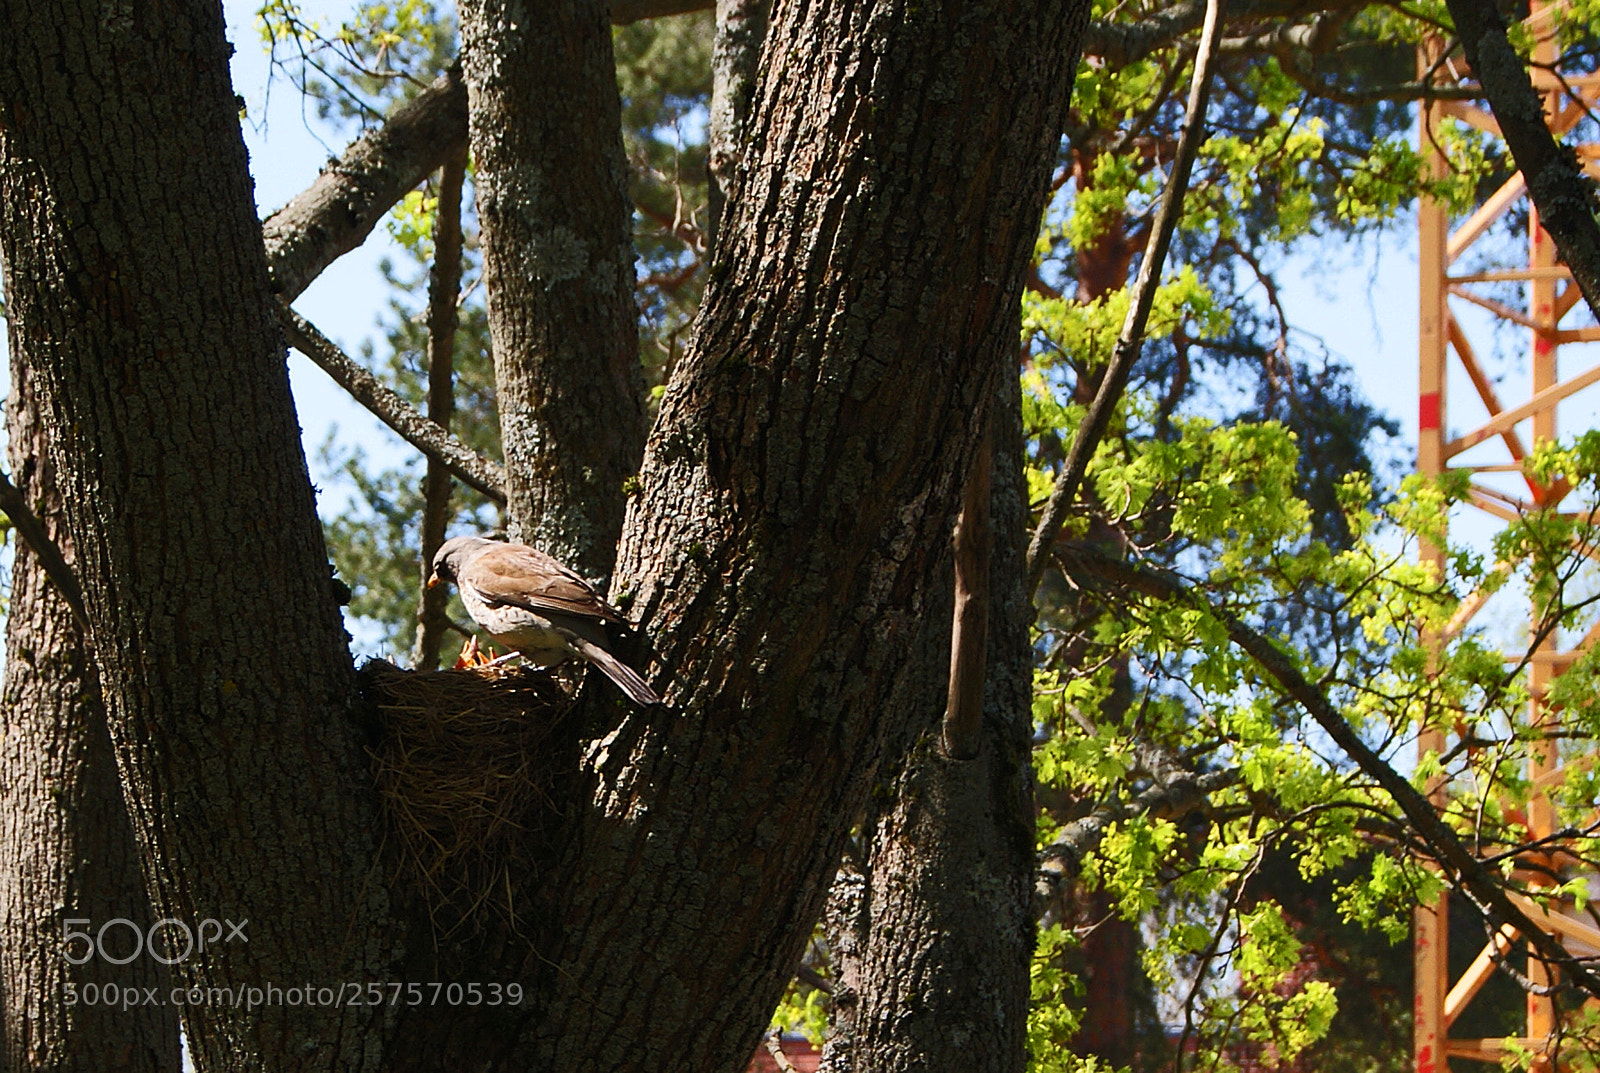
520 576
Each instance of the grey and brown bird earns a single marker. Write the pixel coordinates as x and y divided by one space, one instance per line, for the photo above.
528 601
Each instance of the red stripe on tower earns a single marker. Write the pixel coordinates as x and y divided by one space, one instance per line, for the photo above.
1428 411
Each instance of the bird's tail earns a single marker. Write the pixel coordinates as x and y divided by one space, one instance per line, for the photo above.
626 678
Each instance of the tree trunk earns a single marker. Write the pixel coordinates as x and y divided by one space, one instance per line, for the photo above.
139 304
735 56
1108 959
793 526
558 267
935 962
67 851
798 494
444 292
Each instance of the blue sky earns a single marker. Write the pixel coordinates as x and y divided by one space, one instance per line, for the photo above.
286 154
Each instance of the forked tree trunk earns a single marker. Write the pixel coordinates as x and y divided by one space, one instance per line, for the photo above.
792 528
798 495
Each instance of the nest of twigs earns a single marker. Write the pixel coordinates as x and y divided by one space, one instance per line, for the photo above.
466 762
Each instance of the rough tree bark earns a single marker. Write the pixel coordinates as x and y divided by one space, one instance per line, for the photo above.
546 135
918 143
932 938
139 302
798 495
66 847
69 842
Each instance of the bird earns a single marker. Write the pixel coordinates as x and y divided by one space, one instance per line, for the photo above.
530 602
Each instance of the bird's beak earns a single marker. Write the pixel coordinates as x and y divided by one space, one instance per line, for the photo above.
432 581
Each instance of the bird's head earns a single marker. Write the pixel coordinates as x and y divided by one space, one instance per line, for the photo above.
451 554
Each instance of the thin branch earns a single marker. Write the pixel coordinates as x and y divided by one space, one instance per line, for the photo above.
55 564
444 288
469 467
814 979
1208 955
1135 129
775 1049
1088 565
1131 341
1280 349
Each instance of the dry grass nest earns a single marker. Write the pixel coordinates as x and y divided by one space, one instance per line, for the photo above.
465 762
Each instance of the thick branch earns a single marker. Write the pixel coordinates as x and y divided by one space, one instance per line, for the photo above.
1315 34
1090 566
1116 43
1120 44
626 11
335 213
1555 182
1131 341
1307 34
469 467
1062 859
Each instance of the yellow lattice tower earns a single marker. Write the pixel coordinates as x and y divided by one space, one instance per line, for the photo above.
1495 445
